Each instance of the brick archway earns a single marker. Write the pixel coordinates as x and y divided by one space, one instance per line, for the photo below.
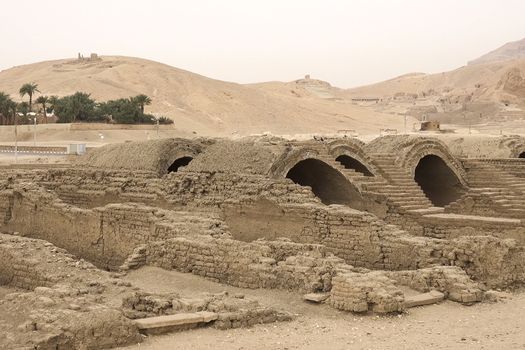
328 184
179 162
352 163
437 180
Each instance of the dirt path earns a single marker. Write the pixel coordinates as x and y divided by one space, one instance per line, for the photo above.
444 326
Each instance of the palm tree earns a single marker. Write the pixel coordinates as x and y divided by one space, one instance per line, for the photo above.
7 109
142 100
23 107
29 89
13 106
43 100
53 100
4 108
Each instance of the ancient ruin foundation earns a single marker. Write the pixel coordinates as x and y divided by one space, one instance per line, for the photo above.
354 225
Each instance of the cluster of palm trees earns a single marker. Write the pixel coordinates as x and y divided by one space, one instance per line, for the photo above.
10 110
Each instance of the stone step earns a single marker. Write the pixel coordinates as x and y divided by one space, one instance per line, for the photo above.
170 323
514 207
406 197
507 199
401 179
508 186
429 298
510 201
371 179
463 219
431 210
399 196
414 207
316 297
492 179
406 184
402 193
492 190
401 190
385 163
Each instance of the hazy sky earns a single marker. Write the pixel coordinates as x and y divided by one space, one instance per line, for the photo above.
346 42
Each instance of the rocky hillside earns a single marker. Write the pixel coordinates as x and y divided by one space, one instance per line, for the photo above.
477 93
509 51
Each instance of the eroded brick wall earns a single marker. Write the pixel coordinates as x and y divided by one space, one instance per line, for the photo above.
104 236
19 270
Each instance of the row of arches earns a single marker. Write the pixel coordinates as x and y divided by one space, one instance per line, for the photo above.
437 180
434 176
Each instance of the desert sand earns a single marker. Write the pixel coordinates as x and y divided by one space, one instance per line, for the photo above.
442 326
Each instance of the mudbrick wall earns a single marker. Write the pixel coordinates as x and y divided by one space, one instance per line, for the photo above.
108 235
456 224
358 237
306 268
105 235
284 265
219 191
363 240
19 271
67 303
88 188
379 290
58 302
459 226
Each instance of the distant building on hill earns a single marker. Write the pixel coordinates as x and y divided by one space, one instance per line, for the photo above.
366 99
92 57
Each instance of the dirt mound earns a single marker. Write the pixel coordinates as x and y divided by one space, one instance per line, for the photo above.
155 156
252 156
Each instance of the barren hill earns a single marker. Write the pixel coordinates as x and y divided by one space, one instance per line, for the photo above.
480 81
494 91
509 51
201 104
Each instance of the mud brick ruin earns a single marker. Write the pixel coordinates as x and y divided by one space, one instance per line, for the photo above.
357 224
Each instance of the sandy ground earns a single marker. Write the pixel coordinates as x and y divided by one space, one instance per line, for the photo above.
446 325
4 291
9 159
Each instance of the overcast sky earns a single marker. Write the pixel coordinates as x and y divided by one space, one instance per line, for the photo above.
346 42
